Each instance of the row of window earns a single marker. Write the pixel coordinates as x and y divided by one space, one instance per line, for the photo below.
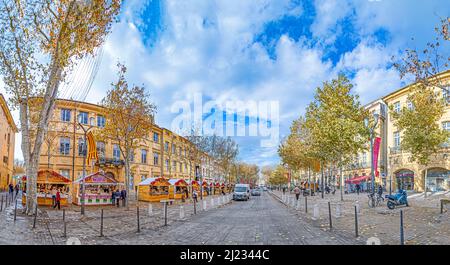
397 140
64 149
397 106
83 117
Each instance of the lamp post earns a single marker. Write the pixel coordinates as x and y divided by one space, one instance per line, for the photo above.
372 169
85 130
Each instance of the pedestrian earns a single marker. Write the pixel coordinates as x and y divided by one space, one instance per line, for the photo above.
284 190
123 197
297 192
11 189
187 193
380 191
357 188
118 198
53 196
194 196
57 200
113 197
16 189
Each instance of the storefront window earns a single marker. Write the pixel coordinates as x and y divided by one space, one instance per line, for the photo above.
405 179
438 179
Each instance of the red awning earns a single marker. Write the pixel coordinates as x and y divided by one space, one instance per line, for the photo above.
357 180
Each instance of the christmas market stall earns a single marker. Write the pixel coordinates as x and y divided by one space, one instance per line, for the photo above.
217 188
98 189
205 186
48 183
177 188
195 186
153 190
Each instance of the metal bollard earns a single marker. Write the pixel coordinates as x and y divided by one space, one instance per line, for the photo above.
181 212
150 209
306 204
138 223
329 215
1 205
402 234
316 212
165 214
204 205
195 207
101 224
64 222
356 221
15 210
357 206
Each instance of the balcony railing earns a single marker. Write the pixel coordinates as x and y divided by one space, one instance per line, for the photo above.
395 150
106 161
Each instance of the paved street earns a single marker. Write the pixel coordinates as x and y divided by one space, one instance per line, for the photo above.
261 220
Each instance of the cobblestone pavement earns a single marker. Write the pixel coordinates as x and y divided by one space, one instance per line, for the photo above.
261 220
423 223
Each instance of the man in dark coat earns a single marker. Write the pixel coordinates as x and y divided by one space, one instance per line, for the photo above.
123 196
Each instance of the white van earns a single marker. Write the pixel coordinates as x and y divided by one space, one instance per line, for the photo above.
241 192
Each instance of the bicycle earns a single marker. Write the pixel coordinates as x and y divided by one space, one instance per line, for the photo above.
374 201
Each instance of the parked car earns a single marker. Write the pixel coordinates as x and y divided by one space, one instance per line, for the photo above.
241 192
256 192
264 188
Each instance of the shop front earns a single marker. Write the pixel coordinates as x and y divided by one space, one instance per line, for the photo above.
48 183
438 179
178 188
405 179
98 189
153 190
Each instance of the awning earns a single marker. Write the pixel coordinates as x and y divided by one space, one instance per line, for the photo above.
155 182
98 178
357 180
177 182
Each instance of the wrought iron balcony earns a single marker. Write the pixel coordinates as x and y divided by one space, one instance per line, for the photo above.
107 161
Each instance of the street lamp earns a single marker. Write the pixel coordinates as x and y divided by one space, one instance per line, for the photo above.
85 130
372 134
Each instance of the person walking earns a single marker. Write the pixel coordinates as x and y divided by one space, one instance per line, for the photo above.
57 200
297 192
194 196
118 198
113 197
16 189
380 191
357 188
11 189
123 197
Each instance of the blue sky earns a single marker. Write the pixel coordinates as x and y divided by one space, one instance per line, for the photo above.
262 50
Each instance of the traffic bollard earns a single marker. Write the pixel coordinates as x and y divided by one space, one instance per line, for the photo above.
316 212
15 210
150 209
306 204
7 201
204 205
329 215
64 223
356 221
181 212
138 223
195 207
358 209
101 224
1 204
402 234
165 213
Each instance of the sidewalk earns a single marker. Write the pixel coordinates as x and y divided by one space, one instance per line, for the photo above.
423 223
118 222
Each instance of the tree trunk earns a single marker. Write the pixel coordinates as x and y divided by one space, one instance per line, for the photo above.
127 179
341 184
321 184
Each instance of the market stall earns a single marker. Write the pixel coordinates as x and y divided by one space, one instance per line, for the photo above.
222 188
48 183
98 189
154 190
216 188
177 188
